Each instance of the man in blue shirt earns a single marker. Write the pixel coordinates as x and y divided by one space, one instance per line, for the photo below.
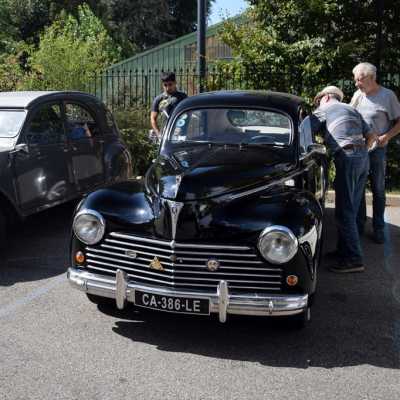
346 136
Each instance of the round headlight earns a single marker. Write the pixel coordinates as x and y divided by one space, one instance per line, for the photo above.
277 244
89 226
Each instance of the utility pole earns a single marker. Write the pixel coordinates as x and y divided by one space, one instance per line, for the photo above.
201 42
380 6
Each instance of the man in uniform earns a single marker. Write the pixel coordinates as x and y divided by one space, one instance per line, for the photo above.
166 101
346 136
381 109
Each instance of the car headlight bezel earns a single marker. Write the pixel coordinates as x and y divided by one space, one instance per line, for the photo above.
95 216
284 233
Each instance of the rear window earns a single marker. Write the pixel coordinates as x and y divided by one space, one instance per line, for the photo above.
11 122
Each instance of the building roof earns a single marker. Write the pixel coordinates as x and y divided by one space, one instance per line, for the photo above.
26 99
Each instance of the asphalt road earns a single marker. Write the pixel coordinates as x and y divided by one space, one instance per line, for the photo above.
54 344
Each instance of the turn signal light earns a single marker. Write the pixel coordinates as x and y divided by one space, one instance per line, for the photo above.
79 257
292 280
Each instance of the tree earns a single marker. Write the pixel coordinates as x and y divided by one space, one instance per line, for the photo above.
70 52
134 24
138 25
302 45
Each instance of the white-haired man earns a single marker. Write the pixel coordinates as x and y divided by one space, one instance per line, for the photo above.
346 136
381 109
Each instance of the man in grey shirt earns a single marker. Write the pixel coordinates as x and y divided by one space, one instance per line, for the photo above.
346 134
381 109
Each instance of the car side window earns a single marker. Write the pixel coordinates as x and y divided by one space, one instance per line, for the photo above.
46 126
80 122
306 135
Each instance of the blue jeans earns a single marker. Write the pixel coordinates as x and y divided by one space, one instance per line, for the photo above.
377 171
351 176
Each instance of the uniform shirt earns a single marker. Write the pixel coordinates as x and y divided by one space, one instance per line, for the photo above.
379 110
342 124
167 102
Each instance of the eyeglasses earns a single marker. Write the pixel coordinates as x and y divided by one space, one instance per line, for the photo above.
361 78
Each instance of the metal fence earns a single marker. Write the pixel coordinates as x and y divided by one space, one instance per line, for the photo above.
137 88
124 89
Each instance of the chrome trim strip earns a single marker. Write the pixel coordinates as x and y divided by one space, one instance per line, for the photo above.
243 304
121 284
175 209
223 300
202 260
176 252
180 265
137 245
311 237
264 187
175 277
173 244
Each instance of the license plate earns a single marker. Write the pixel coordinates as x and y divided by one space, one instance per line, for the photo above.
185 305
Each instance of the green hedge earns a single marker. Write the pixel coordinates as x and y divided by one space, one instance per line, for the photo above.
134 125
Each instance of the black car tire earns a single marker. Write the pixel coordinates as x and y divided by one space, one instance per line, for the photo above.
101 301
3 223
300 321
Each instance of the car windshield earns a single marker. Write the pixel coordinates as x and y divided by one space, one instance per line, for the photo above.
11 122
232 126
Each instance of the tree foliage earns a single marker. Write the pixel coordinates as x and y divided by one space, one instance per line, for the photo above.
70 51
302 45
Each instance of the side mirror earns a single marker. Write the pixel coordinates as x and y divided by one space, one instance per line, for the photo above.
316 148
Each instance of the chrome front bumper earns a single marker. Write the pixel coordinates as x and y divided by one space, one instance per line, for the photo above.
221 301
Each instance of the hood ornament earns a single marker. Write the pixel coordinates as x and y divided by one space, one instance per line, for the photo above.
155 264
175 209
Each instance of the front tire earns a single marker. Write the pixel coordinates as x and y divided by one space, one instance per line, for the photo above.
300 321
3 224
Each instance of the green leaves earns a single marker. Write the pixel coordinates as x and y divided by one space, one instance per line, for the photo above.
70 52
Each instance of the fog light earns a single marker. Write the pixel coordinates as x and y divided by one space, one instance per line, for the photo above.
79 257
292 280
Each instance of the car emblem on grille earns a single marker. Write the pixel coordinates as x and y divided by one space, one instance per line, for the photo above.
174 208
131 253
155 264
212 264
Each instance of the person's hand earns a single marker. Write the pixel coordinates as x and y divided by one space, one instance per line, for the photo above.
383 140
372 141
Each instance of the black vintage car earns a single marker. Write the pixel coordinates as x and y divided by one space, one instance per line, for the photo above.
227 220
55 146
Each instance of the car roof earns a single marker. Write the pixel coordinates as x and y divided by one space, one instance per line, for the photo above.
26 99
243 98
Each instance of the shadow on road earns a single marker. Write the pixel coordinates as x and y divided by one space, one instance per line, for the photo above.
355 321
38 248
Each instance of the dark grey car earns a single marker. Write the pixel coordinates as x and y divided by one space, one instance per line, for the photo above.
54 147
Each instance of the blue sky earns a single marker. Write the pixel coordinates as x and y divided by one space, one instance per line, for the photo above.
225 7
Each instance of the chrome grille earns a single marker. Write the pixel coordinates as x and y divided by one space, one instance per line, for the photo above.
184 264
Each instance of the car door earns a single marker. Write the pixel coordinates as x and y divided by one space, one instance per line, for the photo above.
41 163
86 144
313 161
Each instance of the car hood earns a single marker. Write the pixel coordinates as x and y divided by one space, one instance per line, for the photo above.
204 173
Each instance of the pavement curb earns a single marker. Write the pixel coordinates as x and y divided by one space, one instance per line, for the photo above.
392 200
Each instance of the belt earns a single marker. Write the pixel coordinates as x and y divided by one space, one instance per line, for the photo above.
354 146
